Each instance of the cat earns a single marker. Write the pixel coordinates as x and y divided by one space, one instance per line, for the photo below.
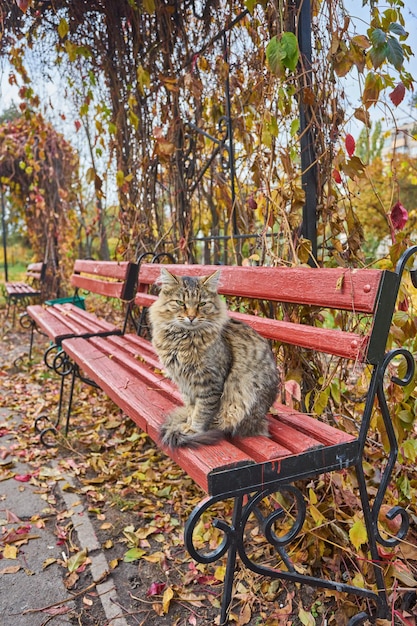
225 370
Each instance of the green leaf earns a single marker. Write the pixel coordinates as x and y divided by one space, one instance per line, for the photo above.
77 560
378 37
378 55
395 53
294 128
305 618
274 56
289 45
397 29
250 5
134 554
282 53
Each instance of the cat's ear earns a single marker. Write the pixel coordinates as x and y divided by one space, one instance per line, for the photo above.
166 278
212 281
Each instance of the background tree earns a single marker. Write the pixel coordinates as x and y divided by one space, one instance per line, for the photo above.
39 173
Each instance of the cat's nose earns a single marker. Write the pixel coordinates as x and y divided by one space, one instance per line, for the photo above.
192 318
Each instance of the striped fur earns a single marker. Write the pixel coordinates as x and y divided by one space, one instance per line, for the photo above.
225 371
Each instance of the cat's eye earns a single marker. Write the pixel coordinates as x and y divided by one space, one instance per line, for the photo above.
180 303
202 303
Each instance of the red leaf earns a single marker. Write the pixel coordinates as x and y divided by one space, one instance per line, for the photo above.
397 96
350 145
399 216
336 175
252 204
23 5
23 478
403 305
156 589
77 125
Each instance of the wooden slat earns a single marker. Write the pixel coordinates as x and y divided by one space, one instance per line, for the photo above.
339 288
21 290
147 407
101 287
104 269
140 390
331 341
63 320
107 278
326 434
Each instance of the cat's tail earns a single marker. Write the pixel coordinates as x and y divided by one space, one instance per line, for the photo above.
177 439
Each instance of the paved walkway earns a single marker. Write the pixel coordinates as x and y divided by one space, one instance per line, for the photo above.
32 588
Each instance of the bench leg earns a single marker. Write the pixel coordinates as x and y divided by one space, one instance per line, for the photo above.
253 506
64 367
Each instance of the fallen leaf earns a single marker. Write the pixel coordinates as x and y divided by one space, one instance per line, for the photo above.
10 552
10 570
166 599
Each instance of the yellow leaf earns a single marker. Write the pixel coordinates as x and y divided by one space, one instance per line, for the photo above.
358 581
9 552
63 28
48 562
120 178
166 599
312 496
156 557
149 6
315 514
220 573
357 534
114 563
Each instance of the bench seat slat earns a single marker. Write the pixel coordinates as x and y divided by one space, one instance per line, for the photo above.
63 320
146 397
340 288
20 290
147 407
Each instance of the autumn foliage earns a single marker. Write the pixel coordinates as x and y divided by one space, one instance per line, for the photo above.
39 173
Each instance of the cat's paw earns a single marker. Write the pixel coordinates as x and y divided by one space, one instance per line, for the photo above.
173 438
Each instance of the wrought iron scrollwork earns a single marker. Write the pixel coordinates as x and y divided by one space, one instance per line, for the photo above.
291 518
59 362
396 511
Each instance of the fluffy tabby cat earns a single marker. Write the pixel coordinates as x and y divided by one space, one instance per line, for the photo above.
225 370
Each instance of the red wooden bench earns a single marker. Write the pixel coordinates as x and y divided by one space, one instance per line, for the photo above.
300 446
24 292
111 279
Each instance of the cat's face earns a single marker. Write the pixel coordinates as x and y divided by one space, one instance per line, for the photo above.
190 302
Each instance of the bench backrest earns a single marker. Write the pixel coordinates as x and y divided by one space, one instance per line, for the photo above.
106 278
369 294
36 272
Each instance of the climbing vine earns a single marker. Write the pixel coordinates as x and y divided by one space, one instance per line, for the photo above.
151 80
39 177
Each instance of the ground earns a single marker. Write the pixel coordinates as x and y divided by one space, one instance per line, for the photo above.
138 501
